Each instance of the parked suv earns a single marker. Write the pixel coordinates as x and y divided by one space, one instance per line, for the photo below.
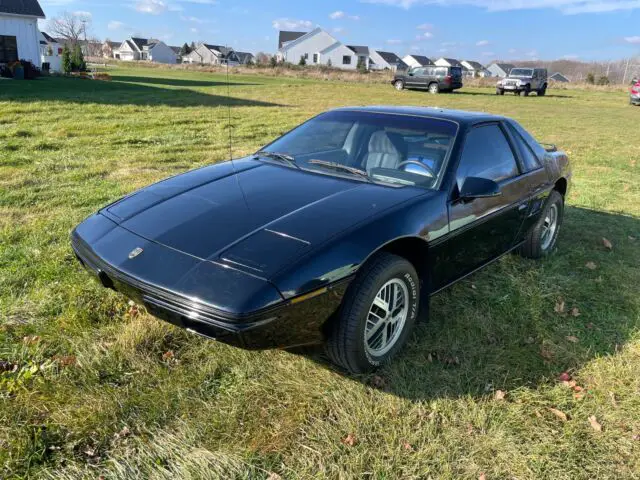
634 93
433 78
523 81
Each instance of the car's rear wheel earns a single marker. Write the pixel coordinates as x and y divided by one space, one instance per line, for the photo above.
434 88
542 92
542 238
398 85
499 91
525 92
376 316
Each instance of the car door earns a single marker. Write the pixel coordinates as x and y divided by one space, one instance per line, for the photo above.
415 78
482 229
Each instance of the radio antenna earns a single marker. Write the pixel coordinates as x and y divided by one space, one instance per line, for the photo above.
229 108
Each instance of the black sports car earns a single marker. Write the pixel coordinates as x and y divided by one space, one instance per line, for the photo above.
337 233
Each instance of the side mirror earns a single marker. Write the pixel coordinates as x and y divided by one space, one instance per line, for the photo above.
476 187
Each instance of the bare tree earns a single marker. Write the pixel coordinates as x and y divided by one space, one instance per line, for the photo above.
70 26
262 58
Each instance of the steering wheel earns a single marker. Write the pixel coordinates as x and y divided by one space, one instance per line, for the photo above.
427 168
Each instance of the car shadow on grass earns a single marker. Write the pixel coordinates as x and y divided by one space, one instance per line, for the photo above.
78 91
499 329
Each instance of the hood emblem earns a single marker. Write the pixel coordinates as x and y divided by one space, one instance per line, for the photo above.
135 252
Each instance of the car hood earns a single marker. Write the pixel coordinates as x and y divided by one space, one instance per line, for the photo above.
251 215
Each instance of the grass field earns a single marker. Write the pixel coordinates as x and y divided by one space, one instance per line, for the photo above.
92 388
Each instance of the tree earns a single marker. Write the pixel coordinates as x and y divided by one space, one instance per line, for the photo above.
273 62
185 50
262 58
362 65
67 63
70 26
303 61
591 78
603 80
77 59
193 46
329 63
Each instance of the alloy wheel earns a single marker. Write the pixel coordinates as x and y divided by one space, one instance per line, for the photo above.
549 227
386 318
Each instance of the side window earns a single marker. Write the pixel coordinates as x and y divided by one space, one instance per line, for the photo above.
529 140
529 159
418 72
486 154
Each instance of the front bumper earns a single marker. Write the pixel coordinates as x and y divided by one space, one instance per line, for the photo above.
288 324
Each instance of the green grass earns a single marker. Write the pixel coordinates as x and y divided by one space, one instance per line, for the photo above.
92 395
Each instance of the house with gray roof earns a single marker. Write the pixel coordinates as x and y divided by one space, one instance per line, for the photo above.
500 69
318 47
245 58
387 61
415 61
474 69
144 49
19 34
208 54
285 37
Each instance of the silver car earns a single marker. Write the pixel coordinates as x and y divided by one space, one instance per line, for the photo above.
523 81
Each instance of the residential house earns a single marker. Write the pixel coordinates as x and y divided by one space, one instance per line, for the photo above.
363 55
50 52
147 50
245 58
474 69
415 61
500 69
206 54
176 51
558 77
111 49
19 34
318 47
386 61
285 37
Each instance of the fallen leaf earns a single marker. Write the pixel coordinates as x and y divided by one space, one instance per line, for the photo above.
482 476
430 358
274 476
607 244
572 339
578 395
65 360
538 414
594 423
350 440
574 312
30 340
559 308
90 452
473 286
591 265
636 437
561 415
470 429
500 395
546 353
612 396
577 388
167 355
564 377
407 446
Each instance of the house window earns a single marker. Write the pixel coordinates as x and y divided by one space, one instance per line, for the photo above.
60 51
306 56
346 60
315 58
8 49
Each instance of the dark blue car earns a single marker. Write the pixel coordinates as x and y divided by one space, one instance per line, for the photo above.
337 233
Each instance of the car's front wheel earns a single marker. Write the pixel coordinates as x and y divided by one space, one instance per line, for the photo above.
398 85
542 238
499 91
376 315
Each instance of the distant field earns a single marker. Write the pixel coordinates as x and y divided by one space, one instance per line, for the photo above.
91 387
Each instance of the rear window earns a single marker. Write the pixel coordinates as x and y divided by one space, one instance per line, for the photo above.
456 71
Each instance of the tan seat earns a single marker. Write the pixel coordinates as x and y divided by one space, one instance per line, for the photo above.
382 153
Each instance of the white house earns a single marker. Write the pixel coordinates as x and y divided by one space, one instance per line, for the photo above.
415 61
474 69
318 47
144 49
206 54
50 52
500 69
363 53
386 61
19 34
448 62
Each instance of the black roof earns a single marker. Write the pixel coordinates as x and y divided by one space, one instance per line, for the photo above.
22 7
475 65
391 58
422 60
285 37
140 42
460 116
359 50
223 50
453 62
46 36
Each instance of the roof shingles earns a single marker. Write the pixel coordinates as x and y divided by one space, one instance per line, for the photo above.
29 8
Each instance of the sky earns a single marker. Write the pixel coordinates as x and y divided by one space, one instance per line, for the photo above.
480 30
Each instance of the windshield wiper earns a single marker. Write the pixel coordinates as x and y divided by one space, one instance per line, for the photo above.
278 156
339 166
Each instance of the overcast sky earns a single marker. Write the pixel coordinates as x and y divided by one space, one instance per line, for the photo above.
472 29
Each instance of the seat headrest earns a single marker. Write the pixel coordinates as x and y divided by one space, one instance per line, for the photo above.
380 142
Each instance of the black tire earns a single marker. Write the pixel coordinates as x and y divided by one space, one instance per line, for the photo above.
398 85
345 344
499 91
433 88
524 93
542 93
533 246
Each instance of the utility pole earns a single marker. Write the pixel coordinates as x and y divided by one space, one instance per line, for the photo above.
626 69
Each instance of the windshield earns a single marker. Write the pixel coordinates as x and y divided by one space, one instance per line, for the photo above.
521 72
400 150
